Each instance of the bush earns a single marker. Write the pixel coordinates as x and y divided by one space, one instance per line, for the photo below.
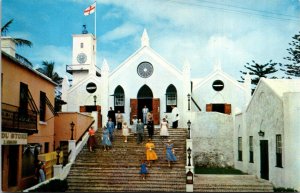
217 170
53 186
282 189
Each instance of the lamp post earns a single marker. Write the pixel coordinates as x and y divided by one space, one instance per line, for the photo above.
72 129
95 99
189 151
57 156
261 133
189 129
189 101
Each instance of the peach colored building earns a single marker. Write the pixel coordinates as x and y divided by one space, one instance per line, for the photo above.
27 99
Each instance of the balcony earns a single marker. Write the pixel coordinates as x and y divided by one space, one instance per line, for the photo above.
81 67
15 119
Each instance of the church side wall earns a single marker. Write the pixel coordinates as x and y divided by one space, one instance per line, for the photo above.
265 113
291 141
212 139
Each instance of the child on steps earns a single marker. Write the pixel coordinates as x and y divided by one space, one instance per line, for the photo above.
144 169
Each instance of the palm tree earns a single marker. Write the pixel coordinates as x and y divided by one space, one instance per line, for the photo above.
19 42
48 70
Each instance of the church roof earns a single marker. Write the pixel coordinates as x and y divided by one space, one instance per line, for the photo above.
280 86
217 71
146 49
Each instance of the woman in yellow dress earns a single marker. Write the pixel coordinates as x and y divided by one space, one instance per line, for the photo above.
150 153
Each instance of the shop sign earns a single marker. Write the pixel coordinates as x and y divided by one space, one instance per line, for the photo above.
11 138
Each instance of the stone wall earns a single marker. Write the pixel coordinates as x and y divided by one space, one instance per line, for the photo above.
212 135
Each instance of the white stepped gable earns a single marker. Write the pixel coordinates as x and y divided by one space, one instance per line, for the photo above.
145 39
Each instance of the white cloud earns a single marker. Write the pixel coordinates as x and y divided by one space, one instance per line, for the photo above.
123 31
62 56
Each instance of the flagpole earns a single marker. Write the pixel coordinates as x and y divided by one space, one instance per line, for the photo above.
95 18
95 25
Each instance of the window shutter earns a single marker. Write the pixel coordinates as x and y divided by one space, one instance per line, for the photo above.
228 109
208 107
133 107
156 111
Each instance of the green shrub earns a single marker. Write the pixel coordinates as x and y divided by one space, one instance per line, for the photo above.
53 186
217 170
282 189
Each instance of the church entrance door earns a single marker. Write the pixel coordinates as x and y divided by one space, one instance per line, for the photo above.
145 97
136 106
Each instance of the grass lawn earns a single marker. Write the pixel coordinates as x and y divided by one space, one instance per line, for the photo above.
201 170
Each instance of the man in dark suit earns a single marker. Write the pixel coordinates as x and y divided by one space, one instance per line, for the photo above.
111 114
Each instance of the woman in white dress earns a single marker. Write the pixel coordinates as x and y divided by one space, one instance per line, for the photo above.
125 131
134 124
164 128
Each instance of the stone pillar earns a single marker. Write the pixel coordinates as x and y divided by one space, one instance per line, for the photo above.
189 144
104 91
57 170
72 147
189 187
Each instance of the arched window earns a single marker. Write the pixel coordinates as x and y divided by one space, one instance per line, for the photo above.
119 99
171 97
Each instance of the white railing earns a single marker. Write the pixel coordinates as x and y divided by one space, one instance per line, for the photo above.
66 169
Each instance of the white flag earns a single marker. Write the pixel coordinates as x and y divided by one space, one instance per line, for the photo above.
91 9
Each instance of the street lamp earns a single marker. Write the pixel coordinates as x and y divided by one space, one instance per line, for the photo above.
189 151
57 156
72 129
261 133
189 129
189 101
95 99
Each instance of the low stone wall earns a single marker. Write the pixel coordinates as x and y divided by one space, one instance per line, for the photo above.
212 135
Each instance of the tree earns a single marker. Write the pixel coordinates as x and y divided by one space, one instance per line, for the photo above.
258 71
293 69
19 42
48 70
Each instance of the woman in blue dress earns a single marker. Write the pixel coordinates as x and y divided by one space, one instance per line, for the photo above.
170 152
105 139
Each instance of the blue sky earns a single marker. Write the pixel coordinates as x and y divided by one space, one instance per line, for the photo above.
201 32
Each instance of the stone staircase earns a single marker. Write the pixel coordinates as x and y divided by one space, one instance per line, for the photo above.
118 169
230 183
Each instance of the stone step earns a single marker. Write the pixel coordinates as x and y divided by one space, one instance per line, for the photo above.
230 183
118 169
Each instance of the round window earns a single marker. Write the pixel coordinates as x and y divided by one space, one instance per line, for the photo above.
218 85
145 69
91 87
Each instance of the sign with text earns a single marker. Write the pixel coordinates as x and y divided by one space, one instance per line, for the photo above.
11 138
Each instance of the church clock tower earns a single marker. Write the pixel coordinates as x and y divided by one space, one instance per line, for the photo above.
83 56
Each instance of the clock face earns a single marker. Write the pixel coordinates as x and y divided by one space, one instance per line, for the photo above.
145 69
81 58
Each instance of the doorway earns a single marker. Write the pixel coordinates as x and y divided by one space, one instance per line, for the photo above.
141 104
144 97
13 154
264 159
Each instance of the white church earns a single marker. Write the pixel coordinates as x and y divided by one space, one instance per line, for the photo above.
221 109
